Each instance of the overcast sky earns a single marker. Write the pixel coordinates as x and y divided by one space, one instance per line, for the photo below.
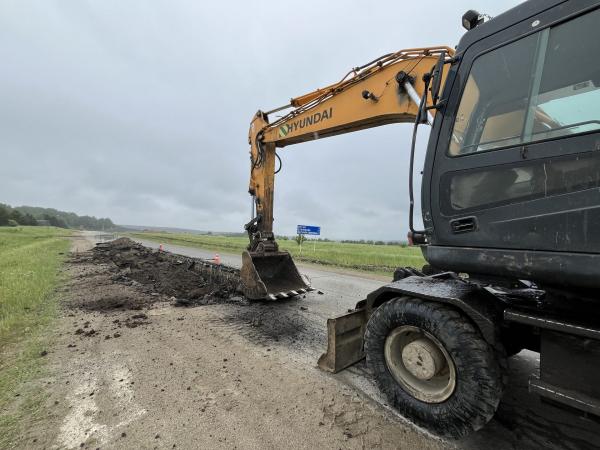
139 110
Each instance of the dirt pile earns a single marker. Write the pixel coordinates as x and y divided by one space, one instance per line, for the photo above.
188 281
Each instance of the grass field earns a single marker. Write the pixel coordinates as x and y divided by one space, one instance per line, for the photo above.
30 258
364 257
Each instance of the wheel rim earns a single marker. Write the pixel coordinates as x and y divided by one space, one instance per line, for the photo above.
420 364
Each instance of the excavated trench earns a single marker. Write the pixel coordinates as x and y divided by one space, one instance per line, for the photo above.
185 281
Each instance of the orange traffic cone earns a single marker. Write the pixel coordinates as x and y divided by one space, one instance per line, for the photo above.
217 259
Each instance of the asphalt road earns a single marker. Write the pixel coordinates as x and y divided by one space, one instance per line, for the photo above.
522 420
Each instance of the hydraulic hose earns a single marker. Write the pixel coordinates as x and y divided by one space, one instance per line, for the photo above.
411 195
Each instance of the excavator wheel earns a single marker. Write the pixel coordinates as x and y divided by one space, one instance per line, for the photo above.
433 365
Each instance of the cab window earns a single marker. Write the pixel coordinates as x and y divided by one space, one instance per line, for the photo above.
544 86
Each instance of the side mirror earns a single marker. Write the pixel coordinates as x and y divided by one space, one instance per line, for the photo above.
437 78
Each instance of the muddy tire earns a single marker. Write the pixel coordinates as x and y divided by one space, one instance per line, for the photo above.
433 365
512 347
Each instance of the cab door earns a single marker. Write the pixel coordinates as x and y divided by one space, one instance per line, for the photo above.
517 164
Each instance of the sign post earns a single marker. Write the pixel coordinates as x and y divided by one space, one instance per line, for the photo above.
310 230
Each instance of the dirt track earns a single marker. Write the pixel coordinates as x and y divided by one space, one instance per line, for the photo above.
143 373
182 378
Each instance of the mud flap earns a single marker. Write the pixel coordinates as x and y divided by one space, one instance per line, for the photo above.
344 341
271 275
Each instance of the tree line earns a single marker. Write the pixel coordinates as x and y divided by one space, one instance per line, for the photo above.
34 216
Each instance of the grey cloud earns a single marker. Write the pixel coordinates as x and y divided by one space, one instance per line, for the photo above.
139 110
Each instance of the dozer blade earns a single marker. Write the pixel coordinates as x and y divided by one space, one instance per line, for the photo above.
344 341
271 275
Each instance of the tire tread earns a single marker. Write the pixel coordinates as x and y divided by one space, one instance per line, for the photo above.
480 379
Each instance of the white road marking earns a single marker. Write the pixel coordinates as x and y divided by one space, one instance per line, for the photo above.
82 421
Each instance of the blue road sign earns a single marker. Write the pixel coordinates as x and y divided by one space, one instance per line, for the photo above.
309 229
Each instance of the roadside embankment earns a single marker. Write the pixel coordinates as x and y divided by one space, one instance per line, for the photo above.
30 263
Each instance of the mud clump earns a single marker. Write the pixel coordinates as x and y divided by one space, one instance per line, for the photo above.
115 302
136 320
188 281
86 333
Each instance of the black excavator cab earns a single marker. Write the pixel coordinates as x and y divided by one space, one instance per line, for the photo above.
513 162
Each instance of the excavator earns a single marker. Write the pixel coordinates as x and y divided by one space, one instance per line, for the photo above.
387 92
510 203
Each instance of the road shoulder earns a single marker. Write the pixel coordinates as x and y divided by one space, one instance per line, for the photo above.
182 377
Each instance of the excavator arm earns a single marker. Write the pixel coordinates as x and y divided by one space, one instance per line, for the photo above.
386 90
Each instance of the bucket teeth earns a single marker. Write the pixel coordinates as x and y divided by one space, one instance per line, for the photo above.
282 295
272 297
293 293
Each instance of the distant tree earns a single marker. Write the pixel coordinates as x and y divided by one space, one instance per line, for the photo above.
17 217
55 221
4 215
13 223
28 219
300 239
106 224
67 219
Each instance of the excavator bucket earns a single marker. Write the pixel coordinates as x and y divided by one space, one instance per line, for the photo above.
271 275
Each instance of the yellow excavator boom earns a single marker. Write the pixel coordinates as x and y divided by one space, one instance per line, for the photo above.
384 91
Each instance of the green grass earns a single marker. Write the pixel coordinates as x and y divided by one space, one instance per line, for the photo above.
364 257
30 258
